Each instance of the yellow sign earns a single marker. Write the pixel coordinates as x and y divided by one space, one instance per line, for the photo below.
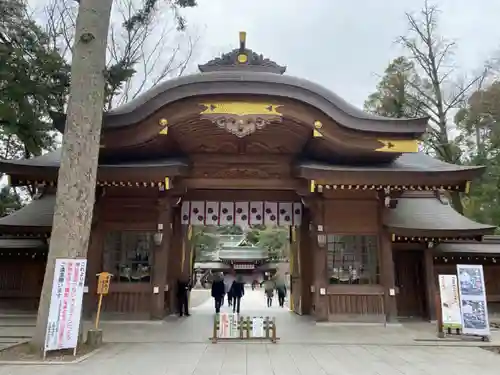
402 145
103 283
241 108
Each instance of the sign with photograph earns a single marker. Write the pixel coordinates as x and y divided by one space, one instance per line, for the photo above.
258 327
65 304
473 300
450 302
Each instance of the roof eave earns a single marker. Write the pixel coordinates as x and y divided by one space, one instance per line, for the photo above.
388 177
440 233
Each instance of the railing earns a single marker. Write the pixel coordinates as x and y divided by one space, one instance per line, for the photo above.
240 328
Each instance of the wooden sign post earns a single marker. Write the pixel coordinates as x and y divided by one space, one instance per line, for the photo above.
103 281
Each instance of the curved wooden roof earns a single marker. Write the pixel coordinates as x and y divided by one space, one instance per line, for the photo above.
35 217
46 168
423 214
407 169
404 170
244 72
258 83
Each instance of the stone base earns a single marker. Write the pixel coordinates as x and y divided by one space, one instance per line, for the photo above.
94 338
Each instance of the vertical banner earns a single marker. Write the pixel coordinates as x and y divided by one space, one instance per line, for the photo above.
450 302
234 332
65 304
473 300
258 327
224 326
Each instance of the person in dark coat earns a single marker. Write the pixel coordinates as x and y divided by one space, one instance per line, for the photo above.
183 288
237 291
218 292
281 289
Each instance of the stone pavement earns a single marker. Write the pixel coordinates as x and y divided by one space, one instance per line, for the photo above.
179 346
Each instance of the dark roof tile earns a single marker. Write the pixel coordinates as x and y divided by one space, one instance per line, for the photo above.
256 83
38 213
423 213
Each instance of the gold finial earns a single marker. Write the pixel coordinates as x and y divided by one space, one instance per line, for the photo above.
243 38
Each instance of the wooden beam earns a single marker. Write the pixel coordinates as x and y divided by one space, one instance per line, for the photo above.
240 184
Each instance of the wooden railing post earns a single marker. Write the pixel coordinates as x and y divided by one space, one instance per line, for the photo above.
439 317
215 329
273 337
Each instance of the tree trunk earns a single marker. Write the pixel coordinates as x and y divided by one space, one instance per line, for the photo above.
80 149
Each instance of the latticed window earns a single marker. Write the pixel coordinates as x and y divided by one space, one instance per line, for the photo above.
352 259
128 255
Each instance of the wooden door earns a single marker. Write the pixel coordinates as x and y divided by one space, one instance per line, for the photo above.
410 283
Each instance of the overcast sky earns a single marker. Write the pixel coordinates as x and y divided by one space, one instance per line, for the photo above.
343 45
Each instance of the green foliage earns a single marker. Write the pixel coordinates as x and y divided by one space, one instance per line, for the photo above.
479 122
9 201
274 239
230 229
204 243
395 96
34 82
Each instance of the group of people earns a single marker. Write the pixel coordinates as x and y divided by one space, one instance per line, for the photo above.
270 286
234 290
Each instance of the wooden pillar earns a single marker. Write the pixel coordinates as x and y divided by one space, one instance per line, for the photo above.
160 258
388 276
430 281
94 266
174 260
318 227
186 254
94 263
306 263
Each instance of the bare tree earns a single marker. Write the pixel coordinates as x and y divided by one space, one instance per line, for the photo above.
436 87
140 55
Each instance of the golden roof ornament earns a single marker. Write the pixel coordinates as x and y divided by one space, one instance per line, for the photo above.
242 58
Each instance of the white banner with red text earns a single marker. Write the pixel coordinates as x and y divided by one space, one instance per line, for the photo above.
65 304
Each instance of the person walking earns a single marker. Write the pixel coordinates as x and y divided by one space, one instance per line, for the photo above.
229 290
183 288
281 289
237 291
218 292
269 291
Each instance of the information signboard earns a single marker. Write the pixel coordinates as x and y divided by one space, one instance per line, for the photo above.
258 327
65 304
473 300
450 303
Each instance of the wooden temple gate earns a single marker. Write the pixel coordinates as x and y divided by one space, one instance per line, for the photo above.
242 131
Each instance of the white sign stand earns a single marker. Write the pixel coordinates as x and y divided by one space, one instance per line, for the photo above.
65 311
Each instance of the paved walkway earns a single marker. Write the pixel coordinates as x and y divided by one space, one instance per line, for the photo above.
179 346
